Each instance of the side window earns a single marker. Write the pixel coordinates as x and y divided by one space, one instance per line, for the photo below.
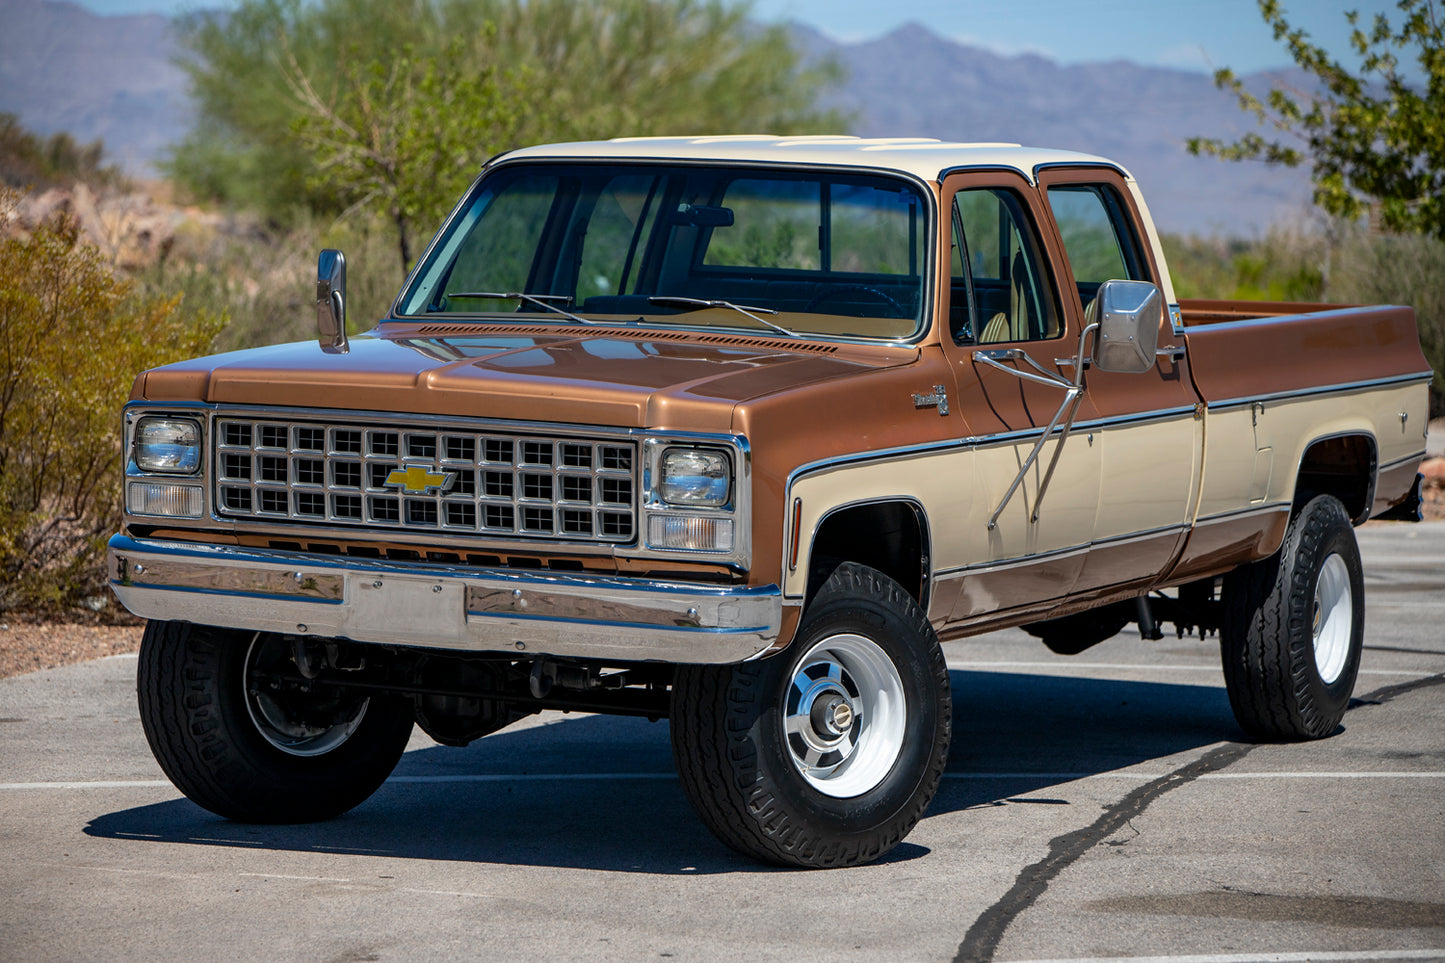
1012 298
1096 236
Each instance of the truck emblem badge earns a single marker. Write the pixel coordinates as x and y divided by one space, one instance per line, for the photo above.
938 399
419 478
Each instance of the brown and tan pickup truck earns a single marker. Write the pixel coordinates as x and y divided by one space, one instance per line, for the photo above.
734 431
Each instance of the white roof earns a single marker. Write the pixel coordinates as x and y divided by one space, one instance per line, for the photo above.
921 156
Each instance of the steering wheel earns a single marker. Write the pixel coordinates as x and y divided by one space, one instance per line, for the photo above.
837 290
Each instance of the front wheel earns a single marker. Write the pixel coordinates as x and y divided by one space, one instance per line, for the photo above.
1294 628
828 754
236 732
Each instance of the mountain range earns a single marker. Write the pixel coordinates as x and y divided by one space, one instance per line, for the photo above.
114 77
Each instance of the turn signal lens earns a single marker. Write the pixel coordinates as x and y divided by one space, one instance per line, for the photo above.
175 501
679 533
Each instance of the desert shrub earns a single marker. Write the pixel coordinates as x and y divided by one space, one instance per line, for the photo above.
263 278
1407 269
73 337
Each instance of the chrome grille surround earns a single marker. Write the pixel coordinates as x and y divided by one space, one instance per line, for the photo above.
426 476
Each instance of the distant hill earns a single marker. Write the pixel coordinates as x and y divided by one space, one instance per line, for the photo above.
64 68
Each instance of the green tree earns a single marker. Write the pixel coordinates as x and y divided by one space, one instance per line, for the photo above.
329 104
73 337
1372 138
402 136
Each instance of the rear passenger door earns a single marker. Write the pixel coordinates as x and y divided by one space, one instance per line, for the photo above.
1145 426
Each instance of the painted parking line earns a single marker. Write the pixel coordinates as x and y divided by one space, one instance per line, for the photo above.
1145 666
490 777
1325 956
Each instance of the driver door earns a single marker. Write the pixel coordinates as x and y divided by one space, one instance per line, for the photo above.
1011 345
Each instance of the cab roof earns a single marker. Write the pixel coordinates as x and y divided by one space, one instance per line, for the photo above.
922 157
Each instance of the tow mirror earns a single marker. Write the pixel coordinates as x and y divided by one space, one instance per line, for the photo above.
1129 314
331 302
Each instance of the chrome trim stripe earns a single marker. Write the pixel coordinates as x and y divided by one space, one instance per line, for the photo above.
983 442
445 606
1413 456
1320 390
1268 509
1061 553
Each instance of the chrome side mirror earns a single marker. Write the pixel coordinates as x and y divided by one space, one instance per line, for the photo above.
1129 314
331 302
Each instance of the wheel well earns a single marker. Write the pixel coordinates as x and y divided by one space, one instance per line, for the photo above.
887 536
1343 466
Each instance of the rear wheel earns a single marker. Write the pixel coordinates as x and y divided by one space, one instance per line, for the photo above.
237 733
828 754
1294 628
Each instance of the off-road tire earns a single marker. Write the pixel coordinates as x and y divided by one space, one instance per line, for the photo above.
1272 618
192 692
730 733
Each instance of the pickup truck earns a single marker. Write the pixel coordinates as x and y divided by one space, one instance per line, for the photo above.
734 431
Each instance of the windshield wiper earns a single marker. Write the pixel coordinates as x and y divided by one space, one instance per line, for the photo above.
698 304
540 300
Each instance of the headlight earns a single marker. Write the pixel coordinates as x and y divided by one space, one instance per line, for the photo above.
170 445
695 478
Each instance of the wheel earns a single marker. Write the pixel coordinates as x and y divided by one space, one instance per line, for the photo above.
836 291
244 744
827 754
1294 627
1072 634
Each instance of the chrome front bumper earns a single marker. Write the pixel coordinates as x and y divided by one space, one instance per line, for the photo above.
444 606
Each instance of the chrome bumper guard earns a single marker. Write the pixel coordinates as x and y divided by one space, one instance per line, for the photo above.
444 606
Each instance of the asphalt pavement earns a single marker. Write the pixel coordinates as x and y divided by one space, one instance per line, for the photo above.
1099 806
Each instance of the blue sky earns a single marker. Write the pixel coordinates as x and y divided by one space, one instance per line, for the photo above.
1188 34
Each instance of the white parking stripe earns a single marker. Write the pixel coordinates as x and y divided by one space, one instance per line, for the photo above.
1150 666
488 777
1330 956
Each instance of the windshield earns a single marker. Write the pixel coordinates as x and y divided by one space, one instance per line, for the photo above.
811 252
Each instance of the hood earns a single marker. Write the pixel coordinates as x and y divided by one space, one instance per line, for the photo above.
623 378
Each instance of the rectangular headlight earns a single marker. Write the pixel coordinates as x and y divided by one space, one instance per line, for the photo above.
169 445
695 478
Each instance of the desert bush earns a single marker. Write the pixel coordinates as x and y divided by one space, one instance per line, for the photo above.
1347 265
1406 269
73 336
263 278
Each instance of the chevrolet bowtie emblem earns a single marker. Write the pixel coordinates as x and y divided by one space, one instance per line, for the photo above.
417 478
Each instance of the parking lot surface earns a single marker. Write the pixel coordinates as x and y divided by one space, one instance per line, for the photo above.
1100 806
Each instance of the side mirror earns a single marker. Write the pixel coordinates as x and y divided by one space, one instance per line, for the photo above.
1129 314
331 302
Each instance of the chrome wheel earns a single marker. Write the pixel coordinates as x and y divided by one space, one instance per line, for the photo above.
1333 618
299 723
844 716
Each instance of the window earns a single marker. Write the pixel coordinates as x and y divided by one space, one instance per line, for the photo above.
645 243
997 258
1096 235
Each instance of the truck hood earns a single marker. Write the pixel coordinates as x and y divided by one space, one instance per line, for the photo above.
624 378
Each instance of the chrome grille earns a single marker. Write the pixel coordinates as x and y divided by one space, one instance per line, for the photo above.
427 478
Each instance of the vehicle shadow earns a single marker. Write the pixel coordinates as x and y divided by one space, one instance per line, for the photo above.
600 792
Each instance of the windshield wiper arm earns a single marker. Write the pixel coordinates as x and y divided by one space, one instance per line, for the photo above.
698 304
540 300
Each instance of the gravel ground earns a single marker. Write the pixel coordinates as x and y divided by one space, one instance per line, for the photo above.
31 646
